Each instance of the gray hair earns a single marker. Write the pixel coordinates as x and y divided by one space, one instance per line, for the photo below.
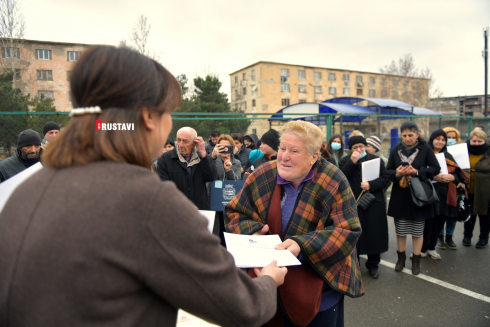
190 130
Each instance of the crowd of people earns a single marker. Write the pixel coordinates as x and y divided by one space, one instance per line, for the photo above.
108 234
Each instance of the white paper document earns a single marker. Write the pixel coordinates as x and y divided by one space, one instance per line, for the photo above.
8 187
255 251
209 215
370 170
460 154
442 162
185 319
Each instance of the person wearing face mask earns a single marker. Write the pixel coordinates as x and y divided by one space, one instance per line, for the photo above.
374 224
453 137
446 189
412 157
478 190
335 147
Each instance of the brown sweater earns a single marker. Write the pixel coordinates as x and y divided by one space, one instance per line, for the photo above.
108 244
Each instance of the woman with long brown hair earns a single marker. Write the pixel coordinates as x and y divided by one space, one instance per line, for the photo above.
96 239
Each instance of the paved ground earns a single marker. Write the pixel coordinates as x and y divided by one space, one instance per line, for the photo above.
400 299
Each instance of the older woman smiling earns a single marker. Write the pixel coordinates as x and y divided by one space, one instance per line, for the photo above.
309 204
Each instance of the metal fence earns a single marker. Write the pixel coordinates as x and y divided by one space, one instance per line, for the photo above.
12 123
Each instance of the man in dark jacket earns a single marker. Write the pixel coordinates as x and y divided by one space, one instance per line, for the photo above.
189 167
213 139
27 154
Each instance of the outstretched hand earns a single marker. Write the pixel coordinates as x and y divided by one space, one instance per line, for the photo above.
272 270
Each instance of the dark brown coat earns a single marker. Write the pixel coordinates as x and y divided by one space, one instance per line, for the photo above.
108 244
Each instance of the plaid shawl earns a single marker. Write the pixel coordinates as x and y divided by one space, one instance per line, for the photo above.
325 223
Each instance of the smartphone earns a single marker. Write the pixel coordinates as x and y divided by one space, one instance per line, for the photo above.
229 149
404 163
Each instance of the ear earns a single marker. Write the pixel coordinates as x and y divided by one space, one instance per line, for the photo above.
315 158
148 119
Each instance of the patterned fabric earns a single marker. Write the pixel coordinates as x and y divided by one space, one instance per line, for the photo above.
324 223
452 167
404 180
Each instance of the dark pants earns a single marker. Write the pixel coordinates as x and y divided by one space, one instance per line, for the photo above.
333 317
373 261
219 226
484 223
430 235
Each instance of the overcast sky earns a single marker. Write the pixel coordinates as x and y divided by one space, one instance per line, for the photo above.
220 37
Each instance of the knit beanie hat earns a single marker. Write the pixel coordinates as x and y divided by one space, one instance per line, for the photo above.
28 137
254 155
434 135
49 126
170 141
374 141
271 138
355 140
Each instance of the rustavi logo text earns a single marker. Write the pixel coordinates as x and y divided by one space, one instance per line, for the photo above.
99 126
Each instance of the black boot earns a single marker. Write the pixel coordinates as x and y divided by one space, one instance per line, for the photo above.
416 264
401 261
440 242
450 243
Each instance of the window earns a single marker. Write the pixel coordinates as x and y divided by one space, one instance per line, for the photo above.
236 79
301 74
244 76
331 77
253 74
254 88
244 90
317 76
45 94
359 79
318 89
285 87
415 84
372 93
237 94
372 80
383 81
245 105
253 103
10 53
17 74
302 101
73 55
395 81
384 94
346 91
302 88
346 77
332 90
359 91
68 75
285 102
394 94
45 75
43 54
284 72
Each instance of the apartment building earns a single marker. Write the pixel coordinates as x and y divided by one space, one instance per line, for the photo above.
266 87
43 68
468 105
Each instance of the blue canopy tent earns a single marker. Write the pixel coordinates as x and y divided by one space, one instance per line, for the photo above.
386 106
310 112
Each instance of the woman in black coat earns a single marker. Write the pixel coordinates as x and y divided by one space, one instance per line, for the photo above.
419 160
374 238
446 189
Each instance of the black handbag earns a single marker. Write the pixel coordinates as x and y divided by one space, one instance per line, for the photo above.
364 201
423 193
464 207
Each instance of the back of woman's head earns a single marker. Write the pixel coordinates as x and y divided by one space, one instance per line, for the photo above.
121 82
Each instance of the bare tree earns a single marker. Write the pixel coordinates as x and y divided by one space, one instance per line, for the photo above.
12 32
138 39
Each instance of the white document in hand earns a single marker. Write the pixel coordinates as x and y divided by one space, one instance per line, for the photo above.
370 170
256 251
460 154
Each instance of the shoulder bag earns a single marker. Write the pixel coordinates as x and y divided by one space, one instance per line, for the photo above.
364 201
423 192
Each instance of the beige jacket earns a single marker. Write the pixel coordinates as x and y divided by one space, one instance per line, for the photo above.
108 244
